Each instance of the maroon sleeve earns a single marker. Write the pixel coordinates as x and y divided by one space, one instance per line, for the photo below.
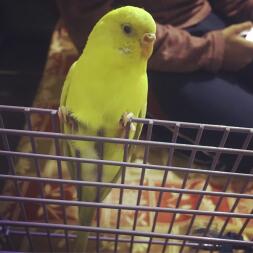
240 10
177 51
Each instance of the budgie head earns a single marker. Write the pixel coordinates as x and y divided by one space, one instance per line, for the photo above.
126 34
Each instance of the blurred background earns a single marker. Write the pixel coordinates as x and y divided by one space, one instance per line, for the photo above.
26 27
25 30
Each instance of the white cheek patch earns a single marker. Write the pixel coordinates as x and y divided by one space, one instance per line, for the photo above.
125 50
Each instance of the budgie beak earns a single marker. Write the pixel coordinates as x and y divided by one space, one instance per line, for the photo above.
147 43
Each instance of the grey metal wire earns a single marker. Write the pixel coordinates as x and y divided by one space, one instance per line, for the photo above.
24 228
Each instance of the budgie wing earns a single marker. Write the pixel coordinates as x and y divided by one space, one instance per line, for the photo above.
67 150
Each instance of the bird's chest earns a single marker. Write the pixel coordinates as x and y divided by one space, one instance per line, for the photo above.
103 102
109 112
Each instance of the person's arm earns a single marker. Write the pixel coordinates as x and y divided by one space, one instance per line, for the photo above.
235 10
80 16
177 51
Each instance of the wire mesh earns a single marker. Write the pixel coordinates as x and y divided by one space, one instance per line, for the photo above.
147 209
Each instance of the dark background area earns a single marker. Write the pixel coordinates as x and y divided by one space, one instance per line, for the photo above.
26 27
25 30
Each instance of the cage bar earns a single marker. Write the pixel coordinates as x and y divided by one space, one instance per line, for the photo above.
63 233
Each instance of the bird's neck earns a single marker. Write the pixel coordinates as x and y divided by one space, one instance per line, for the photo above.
105 67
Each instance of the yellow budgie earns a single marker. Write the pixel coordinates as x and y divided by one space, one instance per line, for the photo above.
104 88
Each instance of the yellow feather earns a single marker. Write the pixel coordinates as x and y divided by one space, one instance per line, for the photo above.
105 81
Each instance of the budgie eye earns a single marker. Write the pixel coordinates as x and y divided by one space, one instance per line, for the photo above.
127 29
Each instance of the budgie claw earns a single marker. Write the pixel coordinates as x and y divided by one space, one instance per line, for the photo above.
125 119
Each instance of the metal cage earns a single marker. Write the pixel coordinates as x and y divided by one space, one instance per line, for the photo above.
204 228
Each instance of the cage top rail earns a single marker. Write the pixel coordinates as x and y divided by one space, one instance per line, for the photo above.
11 108
178 146
138 120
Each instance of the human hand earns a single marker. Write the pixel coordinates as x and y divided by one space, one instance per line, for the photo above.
238 51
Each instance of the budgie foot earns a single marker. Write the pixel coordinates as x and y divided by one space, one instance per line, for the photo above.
124 120
66 117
